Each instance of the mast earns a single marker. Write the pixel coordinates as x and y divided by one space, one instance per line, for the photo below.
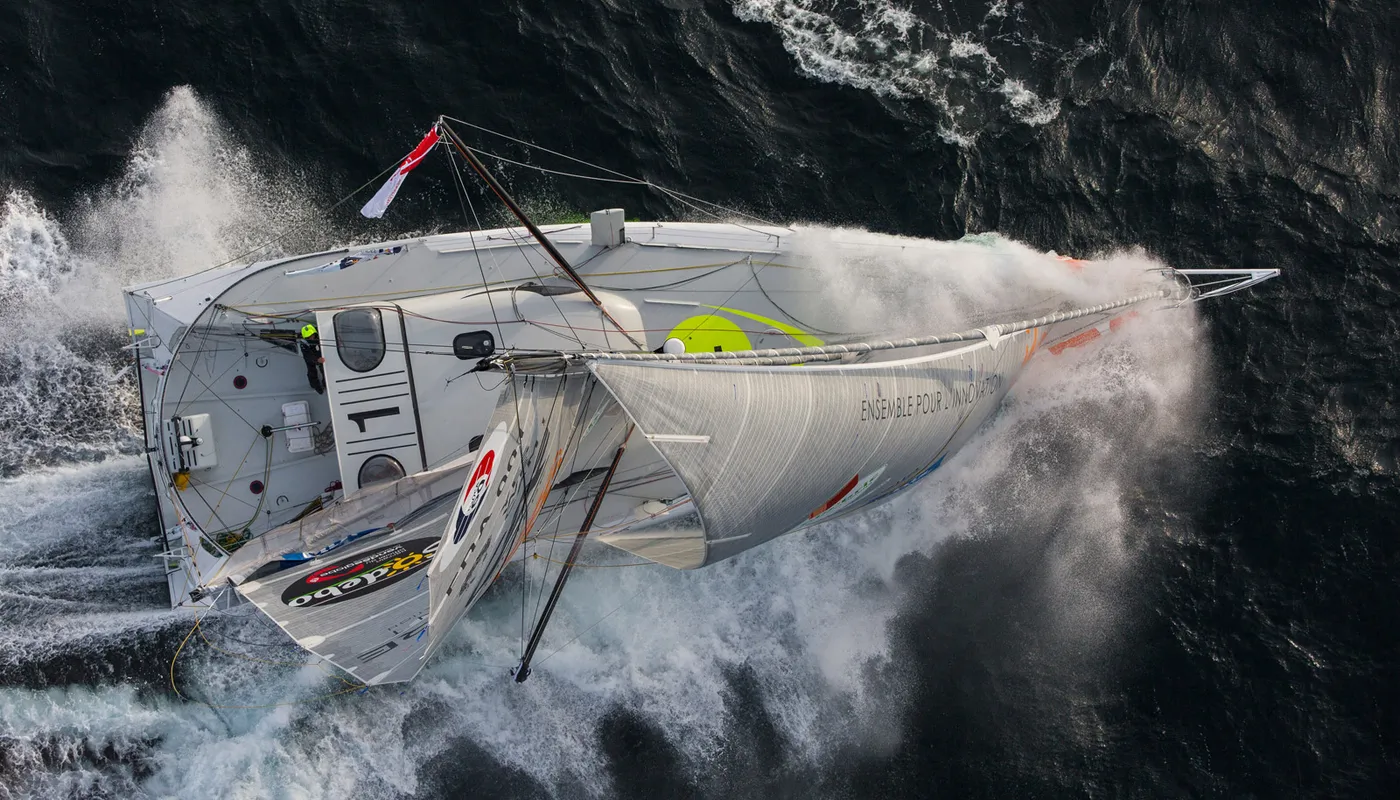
523 671
534 230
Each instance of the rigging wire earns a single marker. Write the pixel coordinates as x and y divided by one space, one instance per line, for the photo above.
537 168
254 310
673 194
311 218
581 565
535 232
681 197
598 622
524 251
678 196
614 172
215 511
465 201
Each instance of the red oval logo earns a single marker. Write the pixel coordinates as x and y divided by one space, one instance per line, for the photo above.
333 573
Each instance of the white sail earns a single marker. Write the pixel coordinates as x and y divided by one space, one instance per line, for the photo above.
764 450
347 520
347 583
544 429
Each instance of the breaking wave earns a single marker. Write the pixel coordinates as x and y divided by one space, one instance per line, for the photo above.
772 664
187 199
956 60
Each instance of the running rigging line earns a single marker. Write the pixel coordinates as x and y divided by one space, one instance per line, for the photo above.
534 230
523 671
628 178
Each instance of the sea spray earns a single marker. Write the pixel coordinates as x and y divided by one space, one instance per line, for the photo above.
810 631
189 198
82 598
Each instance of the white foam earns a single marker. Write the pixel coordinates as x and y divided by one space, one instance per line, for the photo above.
188 198
1030 108
890 50
900 285
809 617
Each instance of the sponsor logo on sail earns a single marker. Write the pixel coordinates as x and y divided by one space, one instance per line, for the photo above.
845 499
360 575
950 397
907 482
473 493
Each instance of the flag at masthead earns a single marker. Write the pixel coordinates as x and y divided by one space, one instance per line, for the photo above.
376 206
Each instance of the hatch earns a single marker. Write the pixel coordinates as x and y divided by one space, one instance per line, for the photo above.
374 407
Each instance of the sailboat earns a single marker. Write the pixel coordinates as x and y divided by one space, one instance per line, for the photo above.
359 441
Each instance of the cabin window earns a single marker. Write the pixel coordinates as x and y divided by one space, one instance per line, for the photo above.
477 344
359 338
379 469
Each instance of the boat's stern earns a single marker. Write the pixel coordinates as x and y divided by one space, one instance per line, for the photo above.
152 335
230 423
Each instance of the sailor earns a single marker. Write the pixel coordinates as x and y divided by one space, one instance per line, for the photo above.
310 344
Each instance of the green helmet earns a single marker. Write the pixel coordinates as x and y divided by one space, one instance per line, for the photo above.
307 331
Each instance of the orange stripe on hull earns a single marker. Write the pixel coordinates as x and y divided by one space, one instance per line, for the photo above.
1074 264
1077 340
1118 322
1037 336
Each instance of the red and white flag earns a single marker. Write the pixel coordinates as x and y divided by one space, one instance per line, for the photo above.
376 206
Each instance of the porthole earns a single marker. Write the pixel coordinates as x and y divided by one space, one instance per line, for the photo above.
359 338
378 469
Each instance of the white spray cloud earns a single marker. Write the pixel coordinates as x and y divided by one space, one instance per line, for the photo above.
809 617
894 285
188 198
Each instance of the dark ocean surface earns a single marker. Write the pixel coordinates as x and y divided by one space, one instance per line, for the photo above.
1173 570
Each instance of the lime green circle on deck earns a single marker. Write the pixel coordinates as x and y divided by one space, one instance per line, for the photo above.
710 332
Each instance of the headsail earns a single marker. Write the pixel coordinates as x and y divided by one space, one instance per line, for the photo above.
767 449
375 584
545 427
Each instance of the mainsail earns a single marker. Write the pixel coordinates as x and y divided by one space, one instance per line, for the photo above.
546 428
728 455
764 450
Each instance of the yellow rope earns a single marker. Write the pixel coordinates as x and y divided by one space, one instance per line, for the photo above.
213 515
321 666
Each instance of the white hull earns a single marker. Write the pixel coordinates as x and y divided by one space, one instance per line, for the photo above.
261 476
